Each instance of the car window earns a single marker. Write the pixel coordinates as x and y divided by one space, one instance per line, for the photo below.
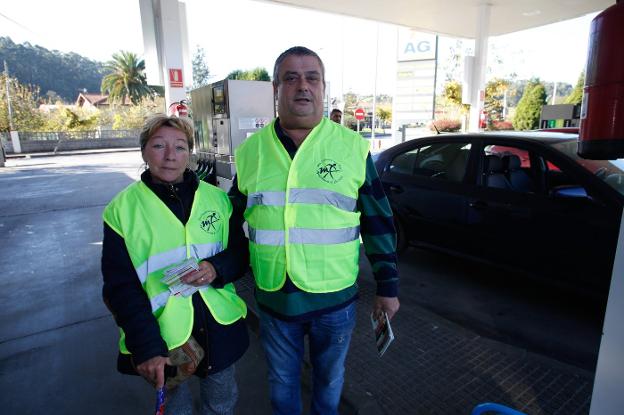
558 181
610 171
509 168
440 161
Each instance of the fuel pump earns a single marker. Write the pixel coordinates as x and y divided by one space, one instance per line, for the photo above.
224 114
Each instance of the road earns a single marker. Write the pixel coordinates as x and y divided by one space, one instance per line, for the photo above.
55 331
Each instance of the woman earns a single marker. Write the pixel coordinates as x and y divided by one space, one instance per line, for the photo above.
158 222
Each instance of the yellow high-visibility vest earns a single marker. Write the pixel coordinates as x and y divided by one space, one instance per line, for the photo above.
156 240
302 212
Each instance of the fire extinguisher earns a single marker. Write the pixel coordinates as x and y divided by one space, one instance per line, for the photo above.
179 109
482 119
601 134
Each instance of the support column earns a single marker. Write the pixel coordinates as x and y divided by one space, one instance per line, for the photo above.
164 40
17 147
477 83
608 395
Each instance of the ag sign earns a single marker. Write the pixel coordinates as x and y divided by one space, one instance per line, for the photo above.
415 46
359 114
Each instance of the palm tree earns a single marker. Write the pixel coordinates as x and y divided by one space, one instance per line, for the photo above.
126 78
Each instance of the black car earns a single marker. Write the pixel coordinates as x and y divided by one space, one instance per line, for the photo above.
522 200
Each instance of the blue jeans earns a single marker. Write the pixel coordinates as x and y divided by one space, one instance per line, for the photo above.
218 395
329 336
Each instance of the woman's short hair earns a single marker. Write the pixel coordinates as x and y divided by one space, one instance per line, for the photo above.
153 123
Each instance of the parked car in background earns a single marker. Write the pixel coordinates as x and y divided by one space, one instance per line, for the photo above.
521 200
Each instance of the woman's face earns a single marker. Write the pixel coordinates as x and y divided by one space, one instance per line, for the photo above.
167 155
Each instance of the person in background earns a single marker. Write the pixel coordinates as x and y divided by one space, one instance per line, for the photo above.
165 218
309 188
336 116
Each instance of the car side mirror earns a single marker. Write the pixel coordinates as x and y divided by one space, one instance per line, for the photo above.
570 192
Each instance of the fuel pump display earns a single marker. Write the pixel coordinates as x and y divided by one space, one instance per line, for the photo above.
225 113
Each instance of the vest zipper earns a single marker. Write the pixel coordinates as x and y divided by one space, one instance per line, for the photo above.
174 195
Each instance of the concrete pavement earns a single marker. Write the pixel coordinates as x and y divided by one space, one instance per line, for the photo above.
57 340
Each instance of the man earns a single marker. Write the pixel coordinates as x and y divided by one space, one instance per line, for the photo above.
309 186
335 115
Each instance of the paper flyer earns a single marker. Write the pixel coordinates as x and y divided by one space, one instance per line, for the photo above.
383 332
173 275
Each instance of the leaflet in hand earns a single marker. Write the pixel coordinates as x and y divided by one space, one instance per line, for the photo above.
173 275
383 332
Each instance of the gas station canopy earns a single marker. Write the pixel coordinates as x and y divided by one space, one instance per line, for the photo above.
458 18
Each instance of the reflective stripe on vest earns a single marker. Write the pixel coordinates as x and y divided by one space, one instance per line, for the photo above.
312 196
322 197
302 212
305 236
137 214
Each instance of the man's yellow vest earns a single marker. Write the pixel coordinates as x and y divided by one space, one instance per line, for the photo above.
302 212
156 239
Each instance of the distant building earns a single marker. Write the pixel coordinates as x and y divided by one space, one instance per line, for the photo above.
94 102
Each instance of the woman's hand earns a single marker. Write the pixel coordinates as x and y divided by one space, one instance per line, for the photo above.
206 274
153 370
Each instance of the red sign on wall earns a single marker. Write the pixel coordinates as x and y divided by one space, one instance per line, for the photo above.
175 78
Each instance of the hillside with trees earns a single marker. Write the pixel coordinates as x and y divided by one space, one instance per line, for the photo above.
57 75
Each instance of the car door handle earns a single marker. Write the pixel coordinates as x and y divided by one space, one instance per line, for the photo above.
396 189
478 204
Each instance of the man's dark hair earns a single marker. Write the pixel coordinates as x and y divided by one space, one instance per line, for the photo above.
335 110
295 51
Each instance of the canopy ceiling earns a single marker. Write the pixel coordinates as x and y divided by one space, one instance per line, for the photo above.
457 18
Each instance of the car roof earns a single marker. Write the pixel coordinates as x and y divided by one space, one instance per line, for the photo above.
543 137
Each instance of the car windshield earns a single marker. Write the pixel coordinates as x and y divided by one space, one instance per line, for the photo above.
610 171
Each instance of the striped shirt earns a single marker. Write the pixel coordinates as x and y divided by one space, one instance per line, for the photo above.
378 235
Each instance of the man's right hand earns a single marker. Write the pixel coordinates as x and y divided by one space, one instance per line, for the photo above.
153 370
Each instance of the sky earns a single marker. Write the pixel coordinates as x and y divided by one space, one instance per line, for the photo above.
244 34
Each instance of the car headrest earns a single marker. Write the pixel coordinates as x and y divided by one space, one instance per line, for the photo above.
513 162
493 164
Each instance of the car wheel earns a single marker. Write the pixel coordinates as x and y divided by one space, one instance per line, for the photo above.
401 240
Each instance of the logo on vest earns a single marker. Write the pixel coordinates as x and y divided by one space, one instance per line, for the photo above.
210 222
329 171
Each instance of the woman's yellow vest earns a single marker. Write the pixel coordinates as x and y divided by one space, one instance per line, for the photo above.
156 239
302 212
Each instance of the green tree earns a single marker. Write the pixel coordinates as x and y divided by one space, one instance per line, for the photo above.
126 78
495 91
451 106
133 117
256 74
530 106
201 73
384 116
576 96
453 92
75 121
64 73
25 115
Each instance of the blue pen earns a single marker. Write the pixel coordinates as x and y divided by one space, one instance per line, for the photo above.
161 394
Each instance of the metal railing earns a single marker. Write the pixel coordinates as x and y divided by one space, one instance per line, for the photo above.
72 135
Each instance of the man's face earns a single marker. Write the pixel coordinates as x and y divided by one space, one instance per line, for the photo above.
300 92
336 116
